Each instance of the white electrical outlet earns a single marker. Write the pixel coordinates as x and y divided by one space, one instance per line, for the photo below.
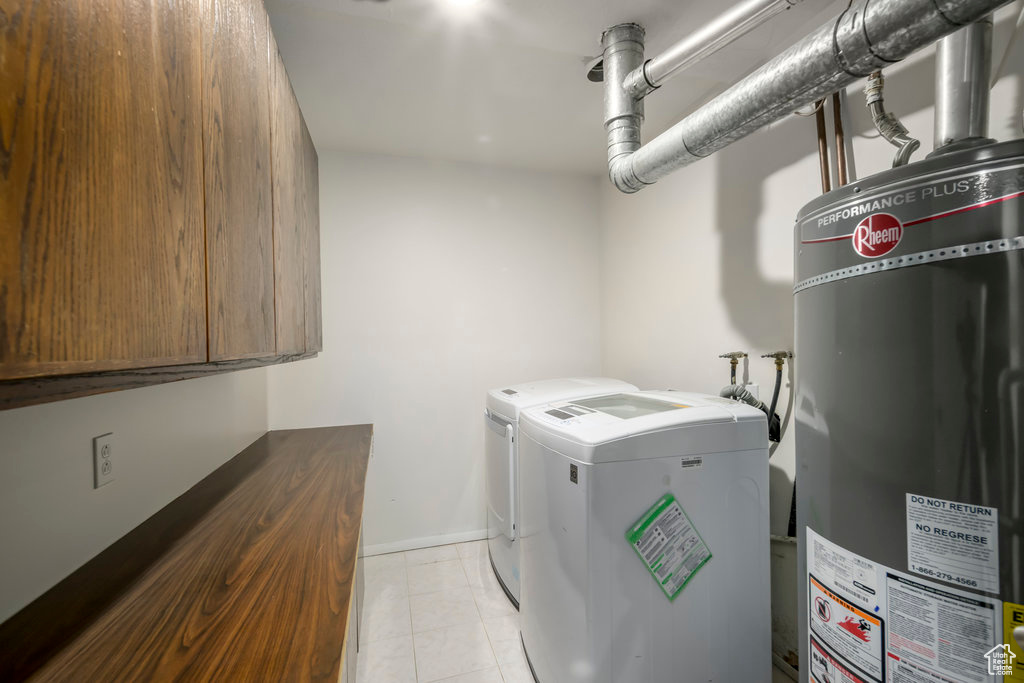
103 460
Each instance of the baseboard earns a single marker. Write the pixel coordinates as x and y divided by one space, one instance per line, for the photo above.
424 542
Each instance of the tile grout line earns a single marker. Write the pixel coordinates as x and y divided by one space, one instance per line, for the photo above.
490 642
412 630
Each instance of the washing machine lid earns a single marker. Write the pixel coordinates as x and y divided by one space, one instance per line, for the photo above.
509 401
643 425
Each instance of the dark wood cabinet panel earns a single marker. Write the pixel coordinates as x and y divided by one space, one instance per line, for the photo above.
311 236
159 202
101 186
239 211
289 213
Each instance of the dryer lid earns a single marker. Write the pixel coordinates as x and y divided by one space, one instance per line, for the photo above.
508 401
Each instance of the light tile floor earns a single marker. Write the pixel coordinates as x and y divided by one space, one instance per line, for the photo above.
438 614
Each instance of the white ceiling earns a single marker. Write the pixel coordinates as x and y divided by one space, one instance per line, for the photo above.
502 81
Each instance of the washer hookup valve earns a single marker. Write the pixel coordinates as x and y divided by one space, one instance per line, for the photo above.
779 356
734 360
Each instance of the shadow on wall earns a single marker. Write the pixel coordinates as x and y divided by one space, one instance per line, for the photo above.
759 308
762 309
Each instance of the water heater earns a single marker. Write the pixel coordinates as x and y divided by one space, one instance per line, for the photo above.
909 302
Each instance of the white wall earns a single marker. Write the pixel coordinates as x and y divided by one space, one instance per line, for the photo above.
440 281
166 438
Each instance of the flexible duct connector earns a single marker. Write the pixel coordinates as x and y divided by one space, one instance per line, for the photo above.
886 123
867 36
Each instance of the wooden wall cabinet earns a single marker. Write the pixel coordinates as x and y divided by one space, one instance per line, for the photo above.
239 210
101 186
159 212
296 219
289 175
311 244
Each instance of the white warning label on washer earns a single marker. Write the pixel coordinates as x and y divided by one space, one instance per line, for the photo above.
669 544
937 633
953 542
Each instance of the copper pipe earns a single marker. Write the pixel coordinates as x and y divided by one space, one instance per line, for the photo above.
819 118
837 121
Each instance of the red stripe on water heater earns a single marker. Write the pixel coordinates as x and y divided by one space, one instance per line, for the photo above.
918 221
966 208
828 239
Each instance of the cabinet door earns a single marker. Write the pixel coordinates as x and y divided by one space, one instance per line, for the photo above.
239 213
288 182
101 186
311 241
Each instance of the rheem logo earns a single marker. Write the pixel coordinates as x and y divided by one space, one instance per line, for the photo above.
877 235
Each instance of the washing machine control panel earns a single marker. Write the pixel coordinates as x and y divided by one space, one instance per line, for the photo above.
607 409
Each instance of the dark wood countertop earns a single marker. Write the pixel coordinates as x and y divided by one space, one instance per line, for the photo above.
246 576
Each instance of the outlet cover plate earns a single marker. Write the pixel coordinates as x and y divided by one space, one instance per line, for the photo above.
103 459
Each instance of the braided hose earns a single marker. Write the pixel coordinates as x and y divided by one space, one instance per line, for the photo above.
886 123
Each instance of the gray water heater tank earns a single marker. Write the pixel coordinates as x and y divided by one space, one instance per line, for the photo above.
909 300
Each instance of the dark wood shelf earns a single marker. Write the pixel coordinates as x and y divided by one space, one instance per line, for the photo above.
248 575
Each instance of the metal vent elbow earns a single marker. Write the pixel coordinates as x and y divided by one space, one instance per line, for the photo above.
622 175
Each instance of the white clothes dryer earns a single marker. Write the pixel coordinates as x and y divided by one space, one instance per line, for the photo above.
501 461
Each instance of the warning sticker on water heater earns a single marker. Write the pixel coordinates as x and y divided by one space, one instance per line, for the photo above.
669 544
846 608
953 542
869 623
937 633
855 635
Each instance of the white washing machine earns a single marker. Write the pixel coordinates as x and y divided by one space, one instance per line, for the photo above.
644 534
501 461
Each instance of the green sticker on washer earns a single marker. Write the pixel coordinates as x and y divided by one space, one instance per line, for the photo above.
669 544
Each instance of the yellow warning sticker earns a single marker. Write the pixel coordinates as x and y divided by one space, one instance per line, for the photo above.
1013 635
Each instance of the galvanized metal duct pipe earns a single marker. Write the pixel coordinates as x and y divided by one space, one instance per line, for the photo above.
727 27
963 67
867 36
623 51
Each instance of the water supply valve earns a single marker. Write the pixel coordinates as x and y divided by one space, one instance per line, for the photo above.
734 360
780 358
